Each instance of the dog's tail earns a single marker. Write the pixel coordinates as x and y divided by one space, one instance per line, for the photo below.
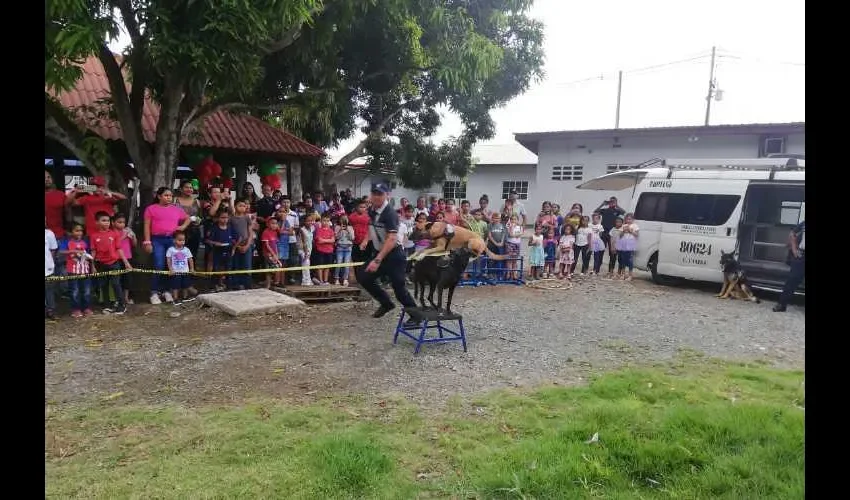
492 256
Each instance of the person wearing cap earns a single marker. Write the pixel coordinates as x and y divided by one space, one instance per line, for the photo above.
390 260
102 200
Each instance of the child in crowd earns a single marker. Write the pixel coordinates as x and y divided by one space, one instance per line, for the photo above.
565 244
535 254
583 236
271 243
550 247
420 235
344 235
478 225
220 239
496 233
180 262
325 242
613 241
284 231
108 255
128 243
514 239
78 263
50 247
409 224
243 251
597 242
626 246
305 247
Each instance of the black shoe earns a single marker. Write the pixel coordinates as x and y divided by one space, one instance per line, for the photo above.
411 323
779 308
48 314
382 311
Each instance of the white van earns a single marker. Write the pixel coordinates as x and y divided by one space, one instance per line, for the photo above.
690 210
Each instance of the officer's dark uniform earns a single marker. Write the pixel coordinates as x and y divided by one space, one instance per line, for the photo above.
798 268
384 221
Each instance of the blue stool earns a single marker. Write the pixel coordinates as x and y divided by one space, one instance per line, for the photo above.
428 319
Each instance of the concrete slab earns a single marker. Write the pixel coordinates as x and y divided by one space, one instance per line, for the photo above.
242 302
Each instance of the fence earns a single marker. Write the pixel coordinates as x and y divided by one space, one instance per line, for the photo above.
484 271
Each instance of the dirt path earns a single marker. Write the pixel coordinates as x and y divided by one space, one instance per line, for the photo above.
517 336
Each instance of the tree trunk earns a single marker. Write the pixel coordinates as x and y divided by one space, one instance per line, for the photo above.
296 189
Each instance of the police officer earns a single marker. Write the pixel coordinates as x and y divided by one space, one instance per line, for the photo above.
390 260
797 261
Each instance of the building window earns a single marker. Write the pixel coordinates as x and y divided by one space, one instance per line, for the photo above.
454 190
521 188
567 172
682 208
771 145
616 167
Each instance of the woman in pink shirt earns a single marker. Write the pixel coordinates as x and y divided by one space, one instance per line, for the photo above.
161 220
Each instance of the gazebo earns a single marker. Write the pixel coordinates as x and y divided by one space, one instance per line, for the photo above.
236 140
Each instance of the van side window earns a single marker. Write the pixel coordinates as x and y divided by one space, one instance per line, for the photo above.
684 208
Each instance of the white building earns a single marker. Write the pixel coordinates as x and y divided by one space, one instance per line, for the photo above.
568 158
547 166
496 170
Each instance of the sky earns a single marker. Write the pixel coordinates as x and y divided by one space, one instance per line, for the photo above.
760 66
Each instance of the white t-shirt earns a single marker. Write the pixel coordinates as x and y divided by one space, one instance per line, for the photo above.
179 259
50 245
597 229
405 229
583 236
515 234
292 219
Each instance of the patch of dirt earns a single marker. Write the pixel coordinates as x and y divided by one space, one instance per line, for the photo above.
517 336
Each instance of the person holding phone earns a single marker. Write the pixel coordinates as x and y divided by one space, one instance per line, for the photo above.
100 200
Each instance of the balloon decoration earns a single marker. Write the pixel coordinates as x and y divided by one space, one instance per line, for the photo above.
268 174
208 171
196 184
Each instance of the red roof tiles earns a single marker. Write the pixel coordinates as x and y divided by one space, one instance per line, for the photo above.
222 129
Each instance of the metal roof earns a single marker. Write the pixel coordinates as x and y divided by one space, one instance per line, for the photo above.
531 140
220 130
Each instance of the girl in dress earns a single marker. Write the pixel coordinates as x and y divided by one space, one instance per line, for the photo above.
550 247
513 243
565 245
535 254
626 246
597 243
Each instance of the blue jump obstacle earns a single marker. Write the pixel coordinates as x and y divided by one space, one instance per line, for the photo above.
429 319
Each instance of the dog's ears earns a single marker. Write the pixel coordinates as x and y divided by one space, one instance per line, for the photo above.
428 226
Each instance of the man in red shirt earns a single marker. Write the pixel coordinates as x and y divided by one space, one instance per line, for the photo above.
101 200
106 250
55 204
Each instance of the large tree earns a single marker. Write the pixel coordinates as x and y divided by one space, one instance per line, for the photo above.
317 66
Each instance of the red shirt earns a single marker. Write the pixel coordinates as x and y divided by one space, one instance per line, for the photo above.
105 246
324 233
54 210
450 217
270 239
360 223
92 204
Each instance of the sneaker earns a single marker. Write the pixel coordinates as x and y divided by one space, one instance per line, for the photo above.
779 308
306 283
336 282
88 312
155 299
382 310
76 314
166 296
177 302
325 283
344 282
129 302
119 309
316 281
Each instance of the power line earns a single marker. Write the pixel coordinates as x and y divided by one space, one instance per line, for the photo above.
651 68
758 60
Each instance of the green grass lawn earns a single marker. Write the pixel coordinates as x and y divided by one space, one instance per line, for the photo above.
695 430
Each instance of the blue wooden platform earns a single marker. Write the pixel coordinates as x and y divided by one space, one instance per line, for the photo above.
423 322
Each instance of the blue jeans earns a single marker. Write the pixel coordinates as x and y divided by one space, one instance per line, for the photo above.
80 294
160 245
50 295
343 256
111 281
626 259
242 261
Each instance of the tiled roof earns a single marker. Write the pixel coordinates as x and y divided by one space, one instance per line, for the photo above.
221 130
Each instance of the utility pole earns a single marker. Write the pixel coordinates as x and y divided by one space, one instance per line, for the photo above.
710 87
619 94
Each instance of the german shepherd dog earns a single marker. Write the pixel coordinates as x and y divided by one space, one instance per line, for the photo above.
735 284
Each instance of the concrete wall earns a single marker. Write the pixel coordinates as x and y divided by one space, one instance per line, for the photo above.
596 154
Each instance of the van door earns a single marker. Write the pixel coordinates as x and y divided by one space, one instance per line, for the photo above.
771 211
697 227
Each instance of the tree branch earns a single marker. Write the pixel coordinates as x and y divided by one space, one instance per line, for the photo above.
293 33
137 54
131 127
59 127
377 133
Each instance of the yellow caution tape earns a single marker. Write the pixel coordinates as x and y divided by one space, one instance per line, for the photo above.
198 273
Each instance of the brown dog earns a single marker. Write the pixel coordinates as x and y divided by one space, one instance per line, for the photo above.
462 238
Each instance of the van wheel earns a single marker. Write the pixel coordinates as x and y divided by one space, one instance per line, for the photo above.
658 279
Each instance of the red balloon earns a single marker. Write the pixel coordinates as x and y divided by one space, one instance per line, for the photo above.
215 168
227 182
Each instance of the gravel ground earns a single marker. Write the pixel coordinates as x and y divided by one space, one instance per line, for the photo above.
518 336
